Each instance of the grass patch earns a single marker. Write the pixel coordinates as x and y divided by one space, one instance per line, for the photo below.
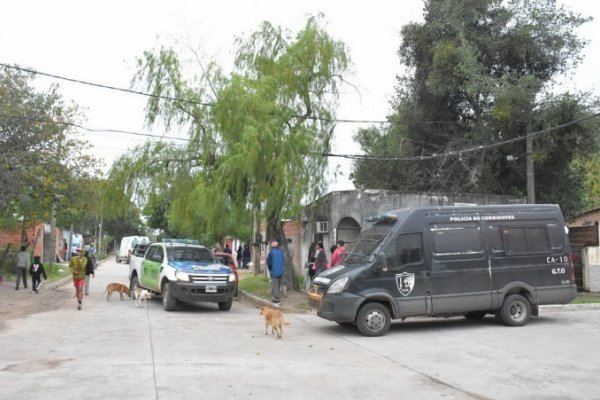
57 274
258 285
59 271
586 298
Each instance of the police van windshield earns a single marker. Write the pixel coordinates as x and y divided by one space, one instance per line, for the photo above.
364 246
189 254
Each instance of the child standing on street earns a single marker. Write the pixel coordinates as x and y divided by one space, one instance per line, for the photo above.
36 270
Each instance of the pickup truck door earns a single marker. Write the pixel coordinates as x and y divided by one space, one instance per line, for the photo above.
151 266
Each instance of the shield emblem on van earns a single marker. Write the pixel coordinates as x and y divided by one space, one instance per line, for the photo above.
405 282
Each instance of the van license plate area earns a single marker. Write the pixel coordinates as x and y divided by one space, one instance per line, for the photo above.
211 289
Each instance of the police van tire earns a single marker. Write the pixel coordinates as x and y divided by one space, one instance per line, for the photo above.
515 311
225 305
169 302
373 319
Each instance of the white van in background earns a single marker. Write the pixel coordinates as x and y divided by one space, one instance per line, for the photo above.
127 244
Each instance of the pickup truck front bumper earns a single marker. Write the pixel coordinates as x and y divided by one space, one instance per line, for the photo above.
213 293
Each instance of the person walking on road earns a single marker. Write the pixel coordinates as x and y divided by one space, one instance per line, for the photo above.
36 270
77 266
89 270
23 262
275 263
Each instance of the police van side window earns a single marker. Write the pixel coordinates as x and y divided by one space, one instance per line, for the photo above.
452 239
524 240
405 249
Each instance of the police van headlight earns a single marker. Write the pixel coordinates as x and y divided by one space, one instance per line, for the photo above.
338 286
231 277
182 276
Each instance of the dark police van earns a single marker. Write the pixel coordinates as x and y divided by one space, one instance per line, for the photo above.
454 260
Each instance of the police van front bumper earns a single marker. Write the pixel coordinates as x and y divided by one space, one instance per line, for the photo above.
339 307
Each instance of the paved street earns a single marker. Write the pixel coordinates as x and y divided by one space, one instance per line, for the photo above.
113 349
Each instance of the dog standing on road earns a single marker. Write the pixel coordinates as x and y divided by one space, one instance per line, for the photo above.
142 294
116 287
275 319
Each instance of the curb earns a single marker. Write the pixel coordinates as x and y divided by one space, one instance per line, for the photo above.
570 307
264 302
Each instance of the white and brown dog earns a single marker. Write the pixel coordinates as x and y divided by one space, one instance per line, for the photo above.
142 294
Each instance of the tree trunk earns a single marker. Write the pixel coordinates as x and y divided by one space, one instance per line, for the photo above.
275 232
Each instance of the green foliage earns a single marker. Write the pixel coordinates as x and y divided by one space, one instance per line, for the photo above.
40 155
481 72
591 182
256 137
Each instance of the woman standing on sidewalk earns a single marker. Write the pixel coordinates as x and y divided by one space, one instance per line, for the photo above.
77 266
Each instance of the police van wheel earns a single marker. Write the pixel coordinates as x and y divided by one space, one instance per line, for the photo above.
373 319
515 310
169 302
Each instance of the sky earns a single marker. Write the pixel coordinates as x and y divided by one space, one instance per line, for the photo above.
99 41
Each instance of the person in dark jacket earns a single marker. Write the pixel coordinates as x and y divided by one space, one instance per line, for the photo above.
89 270
320 264
36 270
275 263
246 256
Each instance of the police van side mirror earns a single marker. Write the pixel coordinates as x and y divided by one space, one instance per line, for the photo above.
380 262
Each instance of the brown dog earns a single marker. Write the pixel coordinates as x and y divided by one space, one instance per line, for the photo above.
116 287
275 319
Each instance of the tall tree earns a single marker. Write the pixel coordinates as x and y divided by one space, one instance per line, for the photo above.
256 137
40 153
481 72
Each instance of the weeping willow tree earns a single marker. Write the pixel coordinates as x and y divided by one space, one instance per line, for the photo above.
256 137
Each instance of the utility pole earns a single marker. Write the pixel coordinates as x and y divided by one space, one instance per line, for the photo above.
53 234
528 161
530 174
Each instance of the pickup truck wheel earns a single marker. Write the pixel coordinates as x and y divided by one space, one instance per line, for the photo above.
373 319
226 305
134 284
169 302
515 310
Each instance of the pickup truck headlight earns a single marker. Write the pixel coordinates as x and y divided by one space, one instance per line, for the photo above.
182 276
232 277
338 286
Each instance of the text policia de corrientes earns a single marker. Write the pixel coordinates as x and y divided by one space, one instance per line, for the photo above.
466 218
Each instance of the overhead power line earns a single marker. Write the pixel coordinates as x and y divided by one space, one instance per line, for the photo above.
349 156
206 104
462 151
31 71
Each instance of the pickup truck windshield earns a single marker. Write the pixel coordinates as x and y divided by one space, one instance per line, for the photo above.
189 254
367 242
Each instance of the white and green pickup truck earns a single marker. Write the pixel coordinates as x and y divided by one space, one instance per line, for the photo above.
182 271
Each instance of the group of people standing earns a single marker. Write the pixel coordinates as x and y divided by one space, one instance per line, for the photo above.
317 258
244 256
